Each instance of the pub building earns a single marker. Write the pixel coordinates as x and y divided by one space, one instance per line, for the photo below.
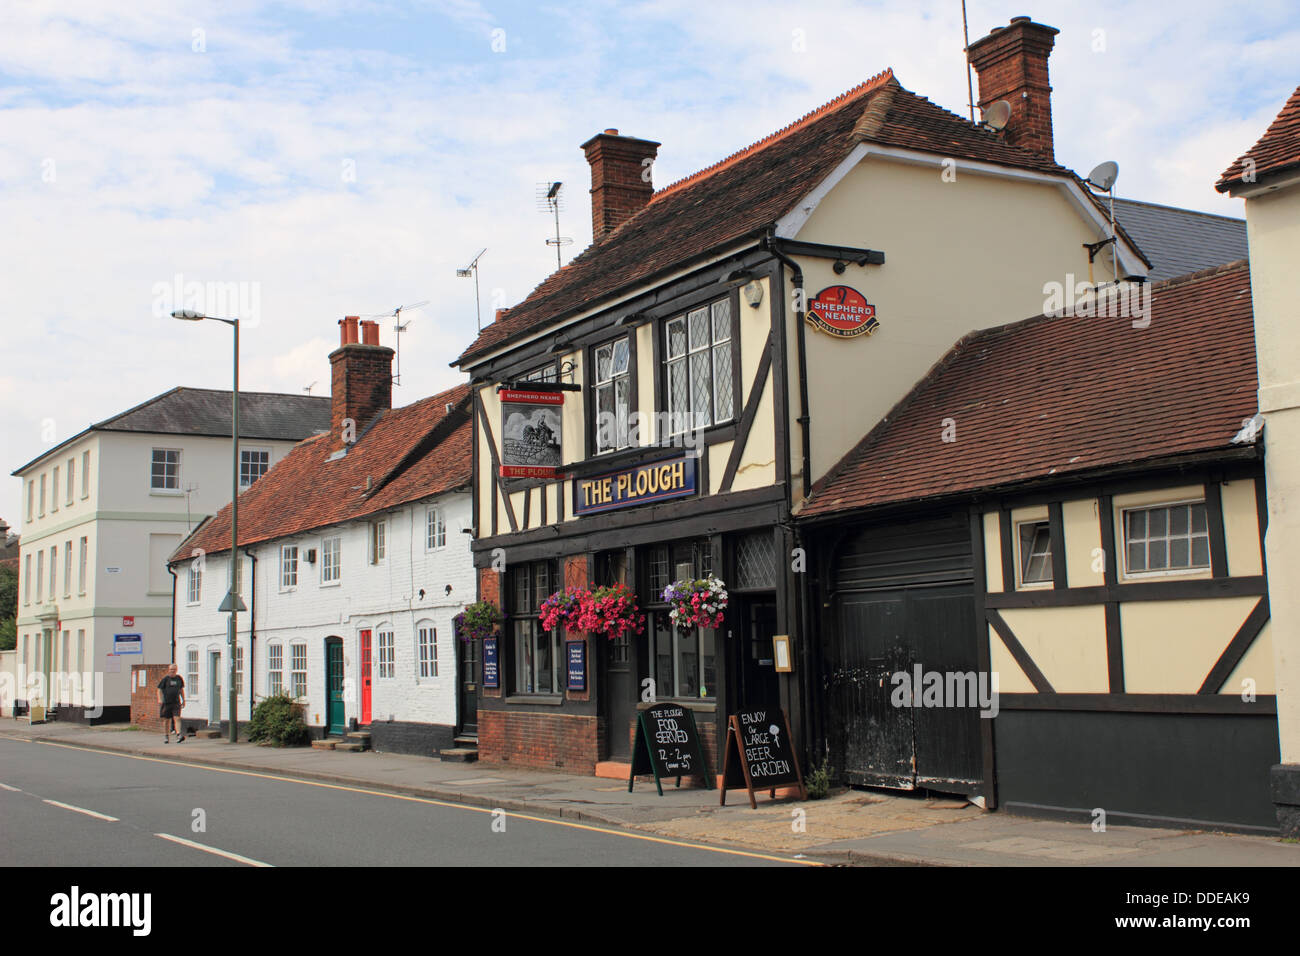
659 409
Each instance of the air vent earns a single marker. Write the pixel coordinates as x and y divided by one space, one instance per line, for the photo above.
311 555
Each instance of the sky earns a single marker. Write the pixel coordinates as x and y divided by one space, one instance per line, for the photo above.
297 161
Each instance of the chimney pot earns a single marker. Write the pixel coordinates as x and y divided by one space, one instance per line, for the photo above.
369 332
620 178
1012 65
348 329
499 314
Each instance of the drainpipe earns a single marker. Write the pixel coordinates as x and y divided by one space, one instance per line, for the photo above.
252 627
173 574
772 244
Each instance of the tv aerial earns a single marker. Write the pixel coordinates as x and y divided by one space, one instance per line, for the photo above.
307 388
549 200
469 271
398 328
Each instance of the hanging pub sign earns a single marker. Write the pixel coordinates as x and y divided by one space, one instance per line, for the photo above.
667 744
840 310
530 433
759 755
658 481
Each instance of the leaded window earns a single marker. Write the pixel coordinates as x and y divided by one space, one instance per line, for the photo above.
698 357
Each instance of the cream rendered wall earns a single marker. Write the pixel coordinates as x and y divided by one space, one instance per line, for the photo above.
959 256
1171 646
992 551
1068 644
1273 228
1084 567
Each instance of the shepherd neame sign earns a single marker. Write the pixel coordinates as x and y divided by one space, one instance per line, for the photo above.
657 481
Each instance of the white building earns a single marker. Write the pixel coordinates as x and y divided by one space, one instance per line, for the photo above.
353 564
102 513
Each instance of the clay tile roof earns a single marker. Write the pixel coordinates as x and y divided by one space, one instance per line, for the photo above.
1277 150
408 453
1054 396
745 194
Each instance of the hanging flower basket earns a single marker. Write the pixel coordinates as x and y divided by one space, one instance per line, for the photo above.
613 611
481 619
564 607
698 603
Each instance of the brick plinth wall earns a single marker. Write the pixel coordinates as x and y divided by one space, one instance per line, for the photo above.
1012 65
144 700
545 741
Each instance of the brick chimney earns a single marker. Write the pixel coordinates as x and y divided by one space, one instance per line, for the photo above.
361 379
1012 65
620 178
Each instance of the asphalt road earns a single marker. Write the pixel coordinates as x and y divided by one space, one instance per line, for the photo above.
67 806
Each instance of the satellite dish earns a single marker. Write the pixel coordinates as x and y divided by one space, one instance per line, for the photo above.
997 115
1104 176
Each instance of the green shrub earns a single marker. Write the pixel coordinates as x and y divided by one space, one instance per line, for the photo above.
278 721
818 783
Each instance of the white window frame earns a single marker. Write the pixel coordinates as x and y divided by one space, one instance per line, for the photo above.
31 499
54 489
246 465
435 529
191 673
40 574
27 579
297 655
67 569
41 513
288 567
71 478
83 562
1020 526
386 653
239 671
85 473
609 382
426 636
194 586
682 420
164 489
81 651
331 570
1192 570
378 534
274 669
54 572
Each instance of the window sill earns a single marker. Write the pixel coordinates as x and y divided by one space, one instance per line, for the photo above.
331 584
1194 573
165 493
545 700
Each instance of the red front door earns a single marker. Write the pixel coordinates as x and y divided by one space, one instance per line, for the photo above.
365 677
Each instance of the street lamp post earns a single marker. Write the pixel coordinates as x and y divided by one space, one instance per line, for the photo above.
231 603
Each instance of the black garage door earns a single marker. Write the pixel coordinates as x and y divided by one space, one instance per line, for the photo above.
903 598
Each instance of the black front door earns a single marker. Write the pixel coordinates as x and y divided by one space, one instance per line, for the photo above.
759 687
620 696
470 675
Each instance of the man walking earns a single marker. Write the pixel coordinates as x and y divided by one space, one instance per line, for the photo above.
171 698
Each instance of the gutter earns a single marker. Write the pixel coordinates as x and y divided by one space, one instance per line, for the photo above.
774 246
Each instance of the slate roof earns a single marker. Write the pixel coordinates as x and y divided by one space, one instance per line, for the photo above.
417 451
1053 397
746 194
1179 241
266 416
1278 149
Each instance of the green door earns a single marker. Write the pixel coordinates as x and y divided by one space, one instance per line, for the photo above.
334 683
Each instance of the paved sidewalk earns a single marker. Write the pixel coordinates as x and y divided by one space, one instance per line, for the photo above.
863 827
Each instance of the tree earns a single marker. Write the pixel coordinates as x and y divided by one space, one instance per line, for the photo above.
8 607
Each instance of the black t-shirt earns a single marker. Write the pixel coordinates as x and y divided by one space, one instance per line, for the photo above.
171 687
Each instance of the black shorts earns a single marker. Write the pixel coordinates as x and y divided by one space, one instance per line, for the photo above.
169 710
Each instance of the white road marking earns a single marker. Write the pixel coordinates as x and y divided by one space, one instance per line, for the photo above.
213 850
5 786
89 813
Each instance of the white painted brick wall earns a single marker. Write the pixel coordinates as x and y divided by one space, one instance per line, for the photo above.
374 596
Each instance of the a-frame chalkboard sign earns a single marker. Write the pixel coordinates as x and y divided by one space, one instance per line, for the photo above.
763 755
667 745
